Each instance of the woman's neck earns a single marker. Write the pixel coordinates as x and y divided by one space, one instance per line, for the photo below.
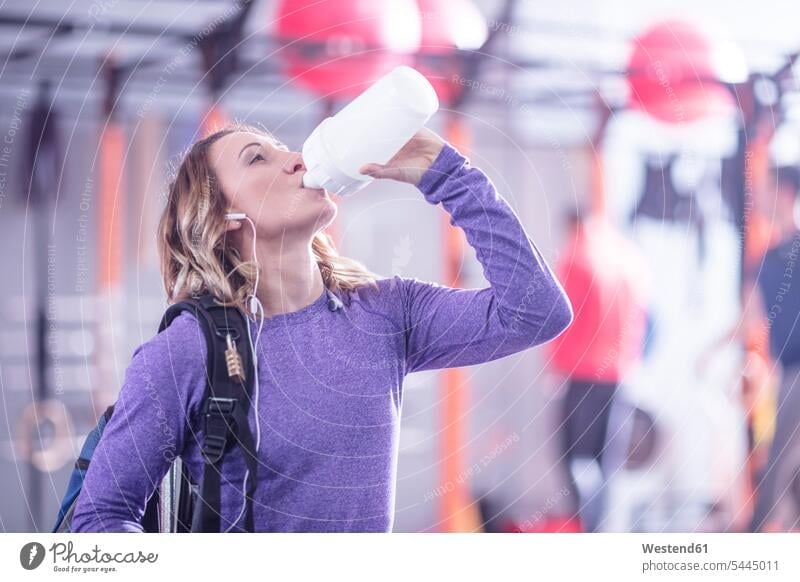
290 278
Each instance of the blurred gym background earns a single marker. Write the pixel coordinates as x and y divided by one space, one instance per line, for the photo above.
668 131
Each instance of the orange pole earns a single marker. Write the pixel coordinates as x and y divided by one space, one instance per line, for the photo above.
759 383
214 119
110 203
597 189
458 512
597 185
110 241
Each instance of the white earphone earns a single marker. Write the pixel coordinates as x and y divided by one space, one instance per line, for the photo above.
255 307
253 303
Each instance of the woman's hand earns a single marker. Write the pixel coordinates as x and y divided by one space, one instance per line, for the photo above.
411 162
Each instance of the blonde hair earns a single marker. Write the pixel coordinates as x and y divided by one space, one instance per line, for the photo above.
194 256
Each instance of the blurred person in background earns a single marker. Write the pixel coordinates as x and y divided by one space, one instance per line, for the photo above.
778 300
605 277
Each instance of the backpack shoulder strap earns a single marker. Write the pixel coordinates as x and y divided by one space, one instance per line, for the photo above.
226 402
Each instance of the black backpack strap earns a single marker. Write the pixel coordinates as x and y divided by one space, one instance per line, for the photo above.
225 406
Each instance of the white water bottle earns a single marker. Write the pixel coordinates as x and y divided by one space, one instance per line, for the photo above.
371 128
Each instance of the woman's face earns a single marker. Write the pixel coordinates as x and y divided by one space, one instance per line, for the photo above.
263 179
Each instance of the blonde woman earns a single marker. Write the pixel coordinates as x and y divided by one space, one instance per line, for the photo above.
333 340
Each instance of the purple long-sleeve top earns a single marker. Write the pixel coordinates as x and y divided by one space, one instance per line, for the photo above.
331 382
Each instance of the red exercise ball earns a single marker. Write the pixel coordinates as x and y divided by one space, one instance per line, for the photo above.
447 26
337 48
675 70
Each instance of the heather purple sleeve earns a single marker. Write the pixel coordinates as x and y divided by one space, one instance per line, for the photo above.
147 431
524 305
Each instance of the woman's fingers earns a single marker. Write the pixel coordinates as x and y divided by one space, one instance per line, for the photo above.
371 169
384 171
407 171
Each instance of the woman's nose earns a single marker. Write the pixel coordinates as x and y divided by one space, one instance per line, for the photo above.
295 163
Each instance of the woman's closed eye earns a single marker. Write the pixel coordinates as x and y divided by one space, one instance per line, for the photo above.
256 157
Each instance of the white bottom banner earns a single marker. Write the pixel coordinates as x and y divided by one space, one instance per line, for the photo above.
418 557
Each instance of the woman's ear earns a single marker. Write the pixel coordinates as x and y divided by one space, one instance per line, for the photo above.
233 220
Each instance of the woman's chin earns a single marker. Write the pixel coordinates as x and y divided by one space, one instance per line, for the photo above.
328 212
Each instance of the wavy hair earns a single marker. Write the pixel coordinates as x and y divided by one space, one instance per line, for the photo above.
195 255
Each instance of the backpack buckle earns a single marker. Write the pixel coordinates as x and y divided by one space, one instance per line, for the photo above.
222 406
218 423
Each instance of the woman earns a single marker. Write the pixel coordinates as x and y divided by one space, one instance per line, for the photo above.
331 379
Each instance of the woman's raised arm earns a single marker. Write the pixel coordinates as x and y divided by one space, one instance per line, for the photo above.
524 305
